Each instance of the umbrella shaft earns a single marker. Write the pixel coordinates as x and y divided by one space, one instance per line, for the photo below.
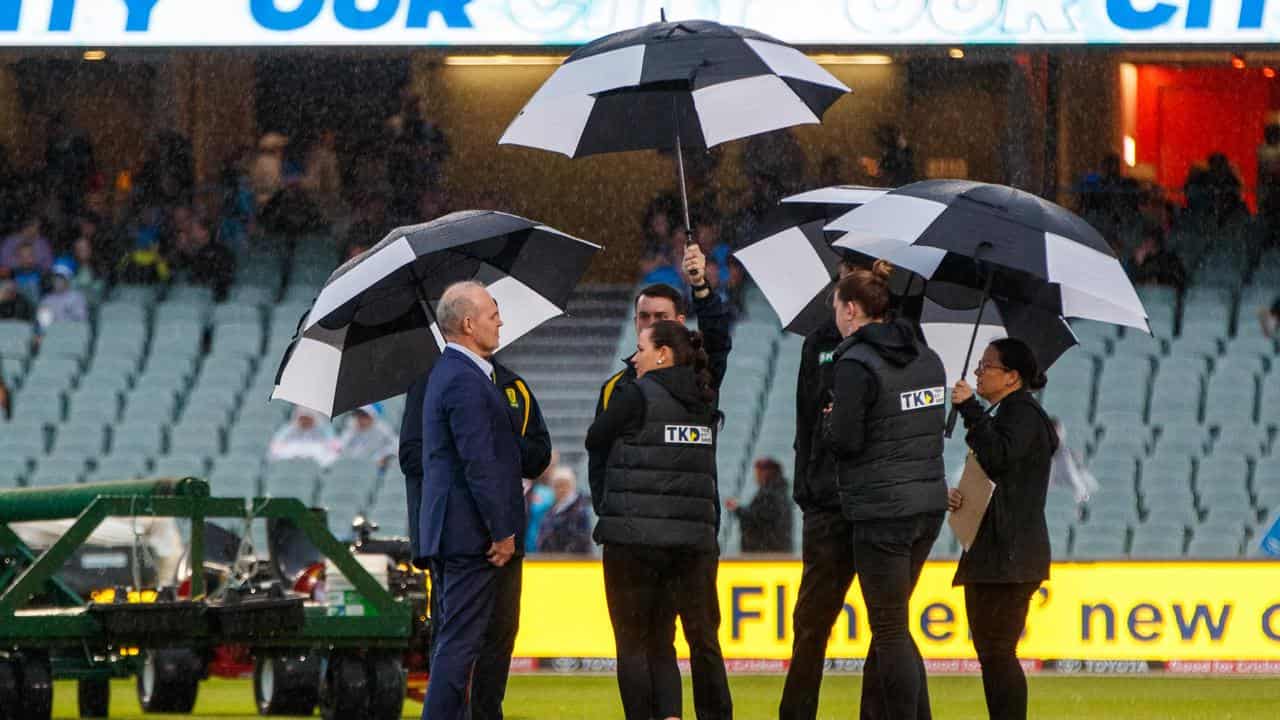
684 191
973 339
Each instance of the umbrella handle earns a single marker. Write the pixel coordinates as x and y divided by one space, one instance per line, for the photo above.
986 295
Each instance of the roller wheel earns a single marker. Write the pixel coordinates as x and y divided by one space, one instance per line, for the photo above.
286 683
36 686
95 697
344 690
168 681
387 682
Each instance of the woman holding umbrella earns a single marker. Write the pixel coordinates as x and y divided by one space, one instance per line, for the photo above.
1014 441
659 517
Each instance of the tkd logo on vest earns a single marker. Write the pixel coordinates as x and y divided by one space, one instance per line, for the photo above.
921 399
688 435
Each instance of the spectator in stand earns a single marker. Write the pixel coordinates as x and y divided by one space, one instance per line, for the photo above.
167 177
433 203
266 174
305 437
566 528
87 271
766 521
737 287
323 176
144 264
1213 191
367 437
707 225
237 213
897 164
202 261
69 162
1154 264
13 304
660 223
1107 196
1269 180
416 149
1069 470
32 280
63 303
30 234
538 498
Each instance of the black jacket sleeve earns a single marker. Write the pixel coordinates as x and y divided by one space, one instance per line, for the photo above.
716 325
805 412
999 441
411 429
844 430
535 445
625 412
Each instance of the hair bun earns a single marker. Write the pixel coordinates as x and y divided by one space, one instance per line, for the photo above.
882 269
1039 382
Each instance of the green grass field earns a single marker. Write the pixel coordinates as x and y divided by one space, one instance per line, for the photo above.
545 697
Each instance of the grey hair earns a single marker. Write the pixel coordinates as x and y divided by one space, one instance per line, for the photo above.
456 306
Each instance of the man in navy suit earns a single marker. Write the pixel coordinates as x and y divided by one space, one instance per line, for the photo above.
472 506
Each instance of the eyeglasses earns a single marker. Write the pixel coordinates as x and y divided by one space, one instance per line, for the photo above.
983 367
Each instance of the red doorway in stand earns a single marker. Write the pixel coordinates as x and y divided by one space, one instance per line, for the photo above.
1184 113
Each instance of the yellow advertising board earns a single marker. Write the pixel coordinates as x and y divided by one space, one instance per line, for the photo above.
1132 611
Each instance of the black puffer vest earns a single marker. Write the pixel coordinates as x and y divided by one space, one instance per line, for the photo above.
899 472
660 481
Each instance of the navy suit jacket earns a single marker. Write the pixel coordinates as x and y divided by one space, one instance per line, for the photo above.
471 488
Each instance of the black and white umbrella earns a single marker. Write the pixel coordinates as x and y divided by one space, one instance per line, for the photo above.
371 331
1011 243
971 233
949 331
792 262
673 85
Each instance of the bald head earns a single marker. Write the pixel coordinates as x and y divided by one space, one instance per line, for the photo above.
564 482
468 315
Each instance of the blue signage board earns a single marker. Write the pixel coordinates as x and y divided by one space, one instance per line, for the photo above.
248 23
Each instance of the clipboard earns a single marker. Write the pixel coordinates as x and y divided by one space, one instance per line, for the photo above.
977 489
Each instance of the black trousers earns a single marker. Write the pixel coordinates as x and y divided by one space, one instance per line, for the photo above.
646 588
489 682
890 555
997 615
827 553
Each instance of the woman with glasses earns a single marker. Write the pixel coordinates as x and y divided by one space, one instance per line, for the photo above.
1014 441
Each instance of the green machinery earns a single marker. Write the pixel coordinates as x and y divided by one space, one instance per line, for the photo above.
304 654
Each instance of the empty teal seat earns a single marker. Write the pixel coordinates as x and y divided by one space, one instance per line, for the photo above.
120 467
1214 547
182 466
145 436
86 444
1157 542
194 439
1089 545
57 471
